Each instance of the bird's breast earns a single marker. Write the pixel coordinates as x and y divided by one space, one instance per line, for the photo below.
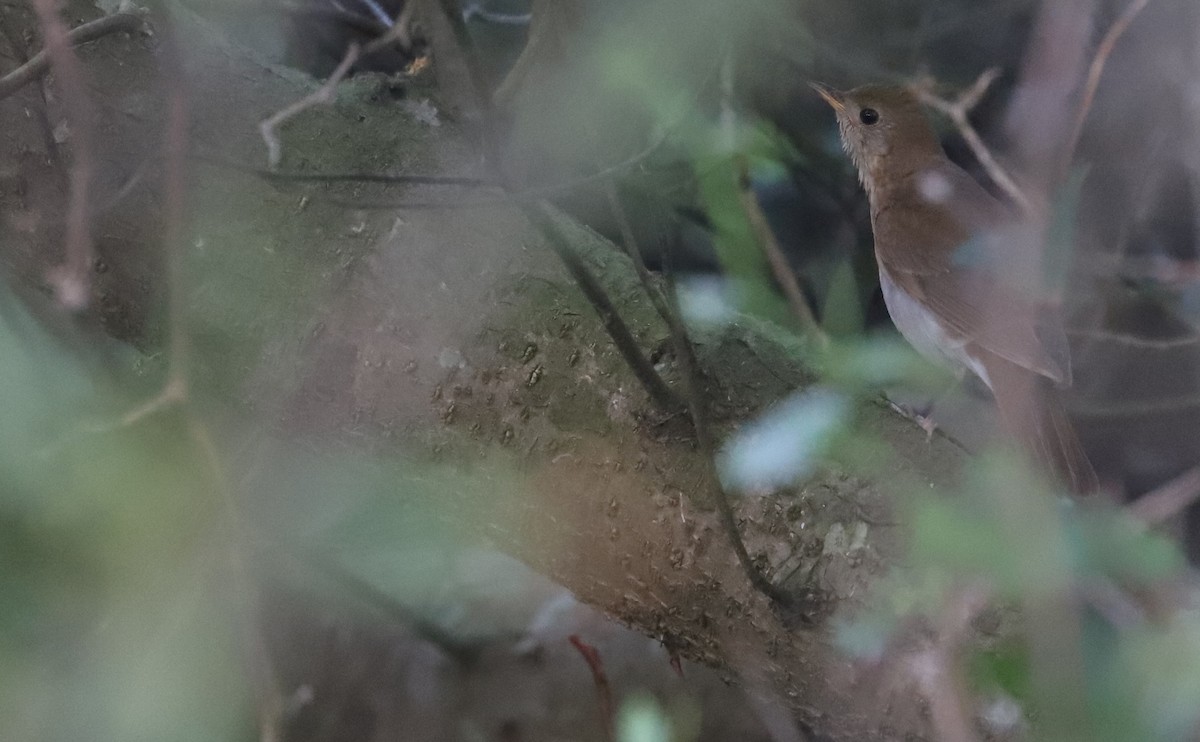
925 332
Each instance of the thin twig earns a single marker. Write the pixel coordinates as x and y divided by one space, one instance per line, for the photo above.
177 392
693 383
175 148
631 247
1127 340
321 96
752 210
694 396
1175 404
958 111
327 93
1168 500
539 216
39 64
72 279
1095 71
403 21
780 269
603 690
452 12
20 48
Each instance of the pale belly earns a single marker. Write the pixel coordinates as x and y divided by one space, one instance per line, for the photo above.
925 332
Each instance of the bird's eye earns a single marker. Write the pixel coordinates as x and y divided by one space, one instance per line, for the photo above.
869 116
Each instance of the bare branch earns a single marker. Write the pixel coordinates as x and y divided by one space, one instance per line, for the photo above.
697 408
957 111
784 275
72 279
634 251
39 64
1037 119
539 216
1095 71
1133 341
321 96
1168 500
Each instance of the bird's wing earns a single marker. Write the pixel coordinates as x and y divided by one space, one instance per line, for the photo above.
966 275
1000 319
949 212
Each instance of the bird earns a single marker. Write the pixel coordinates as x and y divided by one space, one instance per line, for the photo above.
950 264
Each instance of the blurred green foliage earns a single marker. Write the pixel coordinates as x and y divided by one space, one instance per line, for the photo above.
116 571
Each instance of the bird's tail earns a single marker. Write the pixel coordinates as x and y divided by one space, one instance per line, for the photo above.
1032 411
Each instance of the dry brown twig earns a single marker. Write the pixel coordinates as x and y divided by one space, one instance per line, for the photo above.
693 396
321 96
72 279
958 110
780 269
757 220
542 218
633 250
1168 500
39 64
1095 71
327 93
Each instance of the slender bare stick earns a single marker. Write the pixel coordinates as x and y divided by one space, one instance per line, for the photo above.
400 27
321 96
71 280
1170 499
1095 71
784 275
540 217
328 90
633 250
957 111
697 408
39 64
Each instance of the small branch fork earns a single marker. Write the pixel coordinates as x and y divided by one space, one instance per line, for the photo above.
38 65
958 110
327 93
321 96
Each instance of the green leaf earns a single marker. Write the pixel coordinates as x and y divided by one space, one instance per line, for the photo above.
1111 543
1003 668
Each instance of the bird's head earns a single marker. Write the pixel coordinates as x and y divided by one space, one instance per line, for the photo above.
883 130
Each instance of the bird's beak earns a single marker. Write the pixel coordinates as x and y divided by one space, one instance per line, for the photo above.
831 96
